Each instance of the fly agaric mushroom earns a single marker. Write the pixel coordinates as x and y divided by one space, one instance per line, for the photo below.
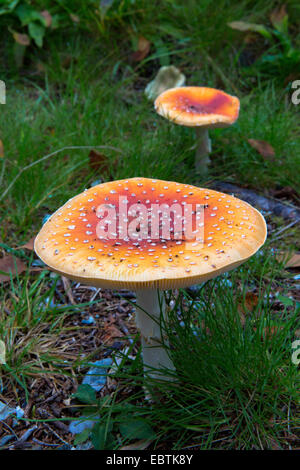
202 108
149 235
167 77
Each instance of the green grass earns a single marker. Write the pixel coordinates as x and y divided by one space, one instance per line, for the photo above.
235 386
238 387
146 145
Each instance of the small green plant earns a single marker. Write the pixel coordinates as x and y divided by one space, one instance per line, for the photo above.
28 22
31 20
113 423
234 365
281 57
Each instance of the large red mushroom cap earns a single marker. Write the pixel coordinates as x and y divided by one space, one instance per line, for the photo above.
72 243
198 106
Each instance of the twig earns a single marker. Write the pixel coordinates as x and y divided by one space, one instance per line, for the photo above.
11 430
44 443
55 434
283 229
21 441
95 295
26 434
45 157
68 289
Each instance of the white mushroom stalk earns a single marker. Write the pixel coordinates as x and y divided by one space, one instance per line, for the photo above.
203 149
150 321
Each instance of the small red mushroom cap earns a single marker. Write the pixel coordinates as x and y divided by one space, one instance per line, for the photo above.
72 243
198 106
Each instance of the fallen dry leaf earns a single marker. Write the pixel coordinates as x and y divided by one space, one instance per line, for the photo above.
40 68
111 332
242 26
47 17
249 304
294 261
50 130
11 264
250 38
1 149
98 161
29 245
142 51
277 16
251 301
263 148
268 332
22 39
253 27
74 18
291 260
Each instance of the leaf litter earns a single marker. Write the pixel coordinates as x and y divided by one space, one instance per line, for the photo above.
50 388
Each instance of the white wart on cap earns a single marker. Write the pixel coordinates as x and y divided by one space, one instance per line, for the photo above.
68 241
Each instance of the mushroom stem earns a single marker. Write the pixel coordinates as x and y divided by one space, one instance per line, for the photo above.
150 317
203 149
